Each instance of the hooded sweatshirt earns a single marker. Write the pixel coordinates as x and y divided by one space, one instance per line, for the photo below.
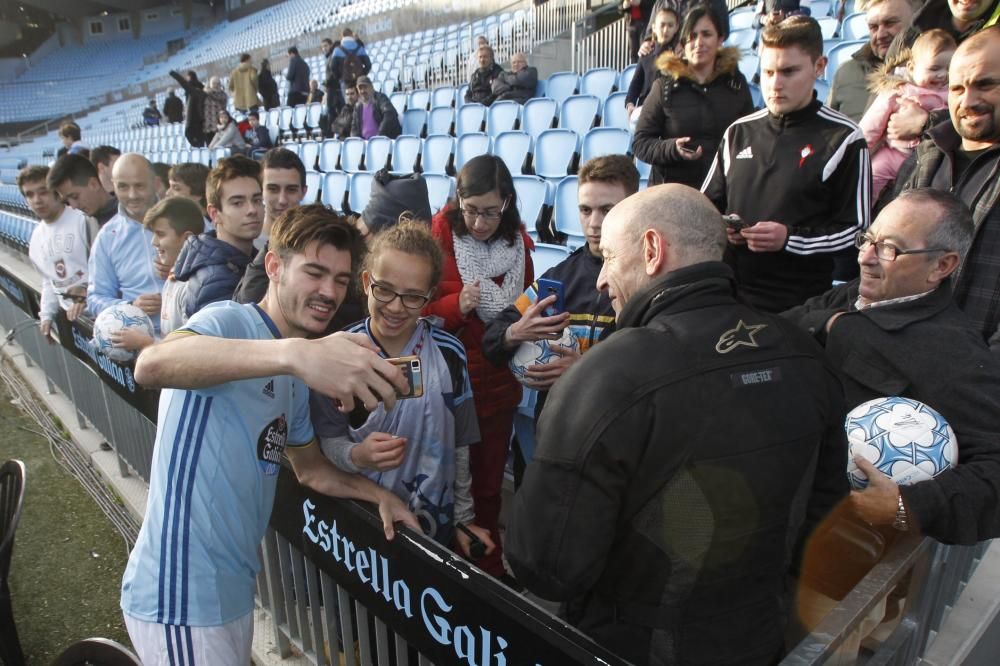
211 267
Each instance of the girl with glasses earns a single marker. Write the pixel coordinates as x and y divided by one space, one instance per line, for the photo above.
486 267
420 448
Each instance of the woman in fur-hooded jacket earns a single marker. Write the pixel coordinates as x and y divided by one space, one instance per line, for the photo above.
693 100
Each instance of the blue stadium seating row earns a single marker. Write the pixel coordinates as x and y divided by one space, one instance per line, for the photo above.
15 230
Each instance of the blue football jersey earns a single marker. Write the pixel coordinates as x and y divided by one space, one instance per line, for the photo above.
215 467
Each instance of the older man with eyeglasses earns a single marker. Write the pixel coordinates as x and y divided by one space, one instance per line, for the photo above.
896 331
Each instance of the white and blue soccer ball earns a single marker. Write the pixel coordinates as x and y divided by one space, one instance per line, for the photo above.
905 439
113 319
540 352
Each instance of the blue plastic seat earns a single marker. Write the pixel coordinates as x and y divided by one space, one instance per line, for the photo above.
377 153
439 188
554 150
439 120
854 27
502 116
742 39
460 95
513 148
538 115
469 119
359 191
413 122
329 154
827 25
749 65
598 82
468 146
561 85
405 150
604 141
566 212
530 199
314 180
419 99
741 19
351 152
308 153
443 96
436 153
546 256
626 77
334 186
398 100
614 114
579 112
643 168
840 54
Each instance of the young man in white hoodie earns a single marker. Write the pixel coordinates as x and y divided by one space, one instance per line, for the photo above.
59 247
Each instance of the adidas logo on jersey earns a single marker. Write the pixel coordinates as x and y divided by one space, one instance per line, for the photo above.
269 389
745 154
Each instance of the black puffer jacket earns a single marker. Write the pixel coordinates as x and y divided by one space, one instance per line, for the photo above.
481 84
678 106
677 462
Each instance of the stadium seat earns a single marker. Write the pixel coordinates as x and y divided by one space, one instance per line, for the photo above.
749 65
334 186
742 39
359 191
643 168
468 146
579 112
351 152
405 150
502 116
741 19
561 85
757 96
436 153
828 26
299 114
820 8
554 151
822 90
438 190
538 115
313 183
546 256
439 120
460 95
626 77
413 121
604 141
443 96
513 148
419 99
377 152
530 199
469 119
613 114
854 27
840 54
308 152
398 100
598 82
566 214
329 154
314 112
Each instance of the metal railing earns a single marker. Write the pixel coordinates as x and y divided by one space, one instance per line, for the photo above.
603 47
337 592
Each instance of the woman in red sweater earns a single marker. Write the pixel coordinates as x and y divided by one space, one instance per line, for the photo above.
487 266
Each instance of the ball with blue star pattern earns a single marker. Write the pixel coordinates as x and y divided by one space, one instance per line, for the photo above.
113 319
539 352
905 439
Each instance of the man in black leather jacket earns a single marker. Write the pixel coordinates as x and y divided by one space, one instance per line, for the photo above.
680 460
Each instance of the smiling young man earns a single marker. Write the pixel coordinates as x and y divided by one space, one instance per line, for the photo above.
212 263
235 399
58 247
796 172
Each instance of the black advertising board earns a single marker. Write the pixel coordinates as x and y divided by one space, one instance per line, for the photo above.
76 337
450 611
19 293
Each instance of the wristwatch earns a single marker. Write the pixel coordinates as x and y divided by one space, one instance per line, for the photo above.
901 523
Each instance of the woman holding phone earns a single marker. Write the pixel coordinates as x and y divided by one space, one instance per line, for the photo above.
694 99
487 264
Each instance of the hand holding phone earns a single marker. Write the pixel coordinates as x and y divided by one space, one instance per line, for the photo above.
555 288
410 365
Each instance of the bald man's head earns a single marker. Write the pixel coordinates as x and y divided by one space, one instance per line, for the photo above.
133 178
973 90
654 232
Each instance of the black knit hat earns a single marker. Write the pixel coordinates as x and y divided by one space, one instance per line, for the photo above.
395 194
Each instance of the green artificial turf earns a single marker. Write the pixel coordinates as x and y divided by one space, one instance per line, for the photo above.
68 559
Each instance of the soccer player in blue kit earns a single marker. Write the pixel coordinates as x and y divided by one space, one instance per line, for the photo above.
236 384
